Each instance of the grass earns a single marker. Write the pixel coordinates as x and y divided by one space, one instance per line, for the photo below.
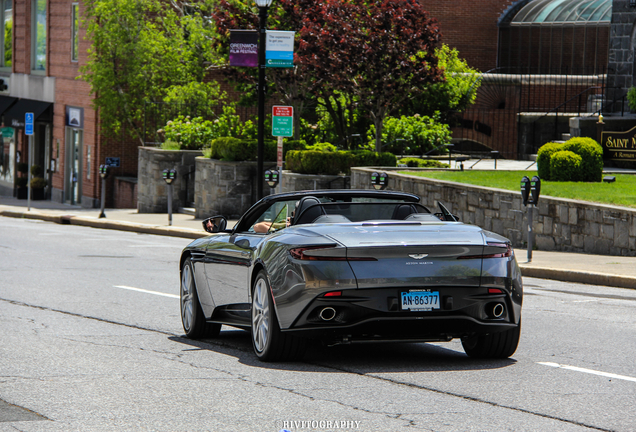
620 193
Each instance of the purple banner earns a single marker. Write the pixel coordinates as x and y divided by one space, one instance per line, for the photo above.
244 48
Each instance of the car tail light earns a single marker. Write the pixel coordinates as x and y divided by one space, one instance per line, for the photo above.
333 294
324 253
506 254
494 291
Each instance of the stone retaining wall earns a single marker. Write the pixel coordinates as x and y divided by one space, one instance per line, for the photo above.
292 182
558 224
152 191
225 188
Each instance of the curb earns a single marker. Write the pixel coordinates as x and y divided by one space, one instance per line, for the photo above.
107 224
589 278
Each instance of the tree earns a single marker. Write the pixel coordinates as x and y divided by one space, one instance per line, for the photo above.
138 53
455 93
382 52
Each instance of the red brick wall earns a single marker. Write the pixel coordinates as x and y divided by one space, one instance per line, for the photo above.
470 27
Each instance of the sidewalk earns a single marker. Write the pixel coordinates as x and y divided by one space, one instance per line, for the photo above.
569 267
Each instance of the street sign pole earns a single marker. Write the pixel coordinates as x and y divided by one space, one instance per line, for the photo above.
282 126
28 130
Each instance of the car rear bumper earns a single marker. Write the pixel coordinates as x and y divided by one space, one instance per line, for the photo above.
376 315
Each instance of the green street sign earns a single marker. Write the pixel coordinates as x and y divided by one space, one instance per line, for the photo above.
282 121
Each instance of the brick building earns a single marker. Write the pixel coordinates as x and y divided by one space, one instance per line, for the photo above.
43 48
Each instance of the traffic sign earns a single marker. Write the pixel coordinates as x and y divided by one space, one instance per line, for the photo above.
282 121
28 123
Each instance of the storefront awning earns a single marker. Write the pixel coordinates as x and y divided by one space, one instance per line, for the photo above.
14 116
5 103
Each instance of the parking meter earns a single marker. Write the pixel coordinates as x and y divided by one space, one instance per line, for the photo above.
525 189
169 175
103 173
271 178
535 189
379 180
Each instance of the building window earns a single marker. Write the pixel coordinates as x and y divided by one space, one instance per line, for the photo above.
38 40
75 32
6 33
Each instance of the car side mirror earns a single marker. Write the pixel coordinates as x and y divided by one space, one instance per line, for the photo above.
215 224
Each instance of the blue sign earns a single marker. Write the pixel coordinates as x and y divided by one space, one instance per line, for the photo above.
28 123
113 162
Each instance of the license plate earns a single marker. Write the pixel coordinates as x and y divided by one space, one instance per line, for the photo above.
420 300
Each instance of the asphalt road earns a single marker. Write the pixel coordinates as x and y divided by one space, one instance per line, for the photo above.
91 339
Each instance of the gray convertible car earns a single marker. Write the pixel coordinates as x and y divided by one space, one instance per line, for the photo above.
347 266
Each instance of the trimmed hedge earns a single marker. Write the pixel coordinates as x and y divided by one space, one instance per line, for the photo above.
590 152
422 163
333 163
236 149
565 166
592 157
543 159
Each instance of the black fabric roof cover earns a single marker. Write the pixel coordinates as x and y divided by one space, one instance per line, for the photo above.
14 116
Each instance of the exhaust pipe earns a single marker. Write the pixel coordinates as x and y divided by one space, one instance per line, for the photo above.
497 310
327 314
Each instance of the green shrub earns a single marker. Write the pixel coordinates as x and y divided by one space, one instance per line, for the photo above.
592 157
23 167
38 183
420 134
422 163
36 171
170 145
631 98
21 182
543 159
234 149
332 163
323 147
565 166
189 134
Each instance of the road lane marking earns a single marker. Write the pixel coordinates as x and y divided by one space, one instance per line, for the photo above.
588 371
146 291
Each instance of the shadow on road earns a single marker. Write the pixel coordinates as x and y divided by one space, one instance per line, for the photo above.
359 358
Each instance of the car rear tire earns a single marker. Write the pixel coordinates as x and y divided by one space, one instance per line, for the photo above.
192 317
495 345
269 343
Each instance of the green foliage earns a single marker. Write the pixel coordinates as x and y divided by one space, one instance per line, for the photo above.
631 98
591 153
422 163
21 182
543 159
455 93
592 157
170 145
323 147
8 42
23 167
38 183
565 166
36 171
335 162
140 49
234 149
206 96
190 134
420 134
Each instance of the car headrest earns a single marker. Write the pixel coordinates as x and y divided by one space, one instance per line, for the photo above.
401 211
305 213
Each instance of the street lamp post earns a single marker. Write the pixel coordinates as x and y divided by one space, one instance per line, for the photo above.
263 5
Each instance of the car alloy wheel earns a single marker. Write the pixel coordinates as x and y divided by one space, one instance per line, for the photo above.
192 316
260 315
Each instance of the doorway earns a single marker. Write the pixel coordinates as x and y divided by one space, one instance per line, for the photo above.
73 172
